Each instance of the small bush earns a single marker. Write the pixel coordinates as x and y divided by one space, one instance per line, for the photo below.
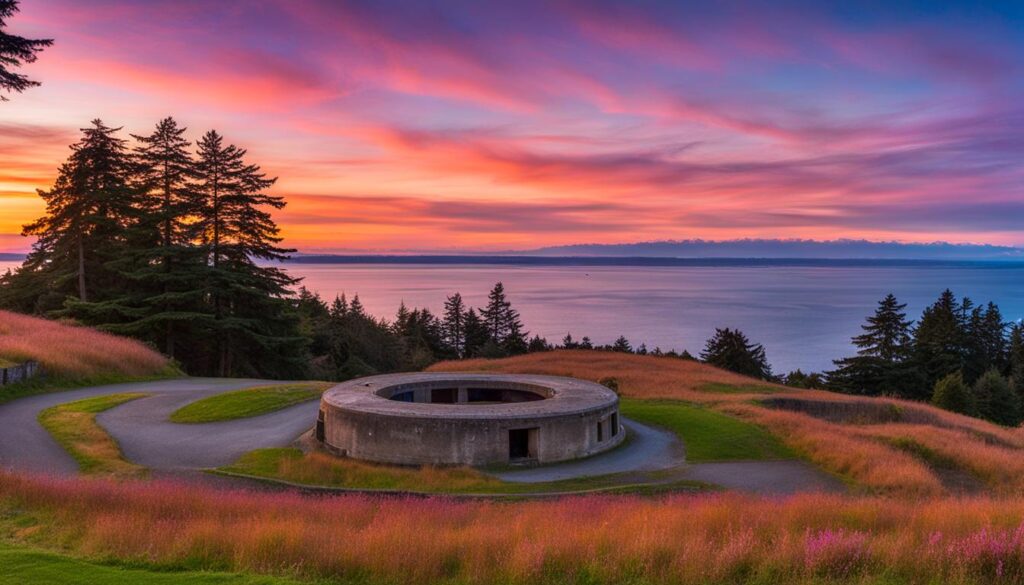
951 393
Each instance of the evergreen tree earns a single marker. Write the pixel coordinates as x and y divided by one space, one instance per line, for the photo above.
477 335
87 212
515 342
539 344
569 343
455 324
1015 359
951 393
166 268
585 343
503 323
996 400
622 345
939 338
985 341
883 348
730 349
16 51
254 329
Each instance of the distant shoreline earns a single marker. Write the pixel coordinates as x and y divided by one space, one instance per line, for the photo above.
634 261
622 261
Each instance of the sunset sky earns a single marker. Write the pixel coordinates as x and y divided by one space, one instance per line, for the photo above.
511 125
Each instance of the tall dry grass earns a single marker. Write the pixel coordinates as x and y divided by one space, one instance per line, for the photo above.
647 377
862 439
722 538
71 352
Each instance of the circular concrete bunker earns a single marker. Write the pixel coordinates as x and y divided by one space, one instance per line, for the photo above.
468 419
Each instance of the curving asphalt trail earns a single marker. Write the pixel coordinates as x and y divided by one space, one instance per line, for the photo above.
146 437
142 429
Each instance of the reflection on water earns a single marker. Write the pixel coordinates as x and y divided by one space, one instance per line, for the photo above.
804 315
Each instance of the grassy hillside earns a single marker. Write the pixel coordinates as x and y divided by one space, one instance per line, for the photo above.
703 539
71 354
879 445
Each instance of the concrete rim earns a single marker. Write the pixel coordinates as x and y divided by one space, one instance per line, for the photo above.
567 396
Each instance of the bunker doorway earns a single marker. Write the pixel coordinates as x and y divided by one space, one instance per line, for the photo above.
522 444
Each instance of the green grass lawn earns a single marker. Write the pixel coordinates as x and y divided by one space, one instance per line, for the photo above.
723 388
73 425
708 435
20 566
248 402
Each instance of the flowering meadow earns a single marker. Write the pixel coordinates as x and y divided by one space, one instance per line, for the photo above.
717 538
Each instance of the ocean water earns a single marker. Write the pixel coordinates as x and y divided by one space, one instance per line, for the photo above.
804 315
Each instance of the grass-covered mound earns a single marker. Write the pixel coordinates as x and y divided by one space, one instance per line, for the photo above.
248 402
72 355
878 445
74 426
708 434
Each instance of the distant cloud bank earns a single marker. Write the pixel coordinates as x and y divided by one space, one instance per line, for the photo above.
768 248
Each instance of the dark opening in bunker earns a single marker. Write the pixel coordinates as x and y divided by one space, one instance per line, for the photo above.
499 395
615 423
522 444
320 426
444 395
404 397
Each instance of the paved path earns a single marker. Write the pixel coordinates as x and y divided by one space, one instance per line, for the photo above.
142 429
149 439
647 449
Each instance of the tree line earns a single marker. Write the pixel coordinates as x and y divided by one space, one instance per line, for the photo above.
161 240
961 356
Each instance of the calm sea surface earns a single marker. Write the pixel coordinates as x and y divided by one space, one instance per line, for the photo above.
804 315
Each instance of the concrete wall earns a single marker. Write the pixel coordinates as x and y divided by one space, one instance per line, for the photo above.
19 373
461 441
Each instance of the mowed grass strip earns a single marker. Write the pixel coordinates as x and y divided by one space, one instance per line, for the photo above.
248 402
708 435
723 388
74 426
24 565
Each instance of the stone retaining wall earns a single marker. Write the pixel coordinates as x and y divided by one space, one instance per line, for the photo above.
18 373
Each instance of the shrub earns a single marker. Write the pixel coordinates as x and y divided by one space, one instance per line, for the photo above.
951 393
996 399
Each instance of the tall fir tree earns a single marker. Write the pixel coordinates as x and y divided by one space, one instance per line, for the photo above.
165 268
88 210
477 334
882 350
984 341
1015 358
939 338
254 327
16 51
455 324
503 323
